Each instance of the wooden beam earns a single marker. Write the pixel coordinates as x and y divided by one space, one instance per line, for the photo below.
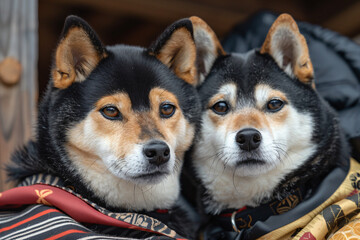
166 11
347 22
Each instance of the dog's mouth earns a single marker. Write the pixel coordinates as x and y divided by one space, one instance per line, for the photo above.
153 176
250 161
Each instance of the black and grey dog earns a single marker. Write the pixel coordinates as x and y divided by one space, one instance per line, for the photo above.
265 133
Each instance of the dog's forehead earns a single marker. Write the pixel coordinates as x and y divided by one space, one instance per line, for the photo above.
250 69
247 79
229 77
130 70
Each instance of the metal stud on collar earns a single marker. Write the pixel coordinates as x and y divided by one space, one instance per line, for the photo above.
233 222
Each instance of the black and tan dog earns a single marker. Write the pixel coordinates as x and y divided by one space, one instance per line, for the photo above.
267 139
116 121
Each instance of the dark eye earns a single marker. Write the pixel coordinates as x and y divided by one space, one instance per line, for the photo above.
167 110
111 113
274 105
220 108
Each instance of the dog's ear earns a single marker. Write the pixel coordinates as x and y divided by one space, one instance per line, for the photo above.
77 54
288 47
175 48
180 48
208 47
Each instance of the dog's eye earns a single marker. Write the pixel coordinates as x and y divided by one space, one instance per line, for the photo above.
111 113
167 110
220 108
274 105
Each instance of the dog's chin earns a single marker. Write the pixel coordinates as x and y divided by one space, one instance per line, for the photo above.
252 167
149 177
251 162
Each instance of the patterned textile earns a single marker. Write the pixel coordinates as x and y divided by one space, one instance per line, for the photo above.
42 208
336 218
349 231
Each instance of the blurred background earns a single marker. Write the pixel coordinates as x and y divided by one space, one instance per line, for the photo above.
29 31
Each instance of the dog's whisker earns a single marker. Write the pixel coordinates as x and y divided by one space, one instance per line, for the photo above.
233 180
134 193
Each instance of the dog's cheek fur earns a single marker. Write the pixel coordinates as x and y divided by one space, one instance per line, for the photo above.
106 138
214 126
291 129
212 138
293 137
208 147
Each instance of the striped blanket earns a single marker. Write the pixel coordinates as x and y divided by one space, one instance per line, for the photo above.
43 208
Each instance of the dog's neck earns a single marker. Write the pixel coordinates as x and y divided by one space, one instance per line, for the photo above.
224 189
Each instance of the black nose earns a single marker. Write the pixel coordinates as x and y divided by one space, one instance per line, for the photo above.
248 139
157 153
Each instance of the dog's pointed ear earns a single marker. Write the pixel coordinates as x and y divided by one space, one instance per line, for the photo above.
77 54
179 48
175 48
288 47
208 47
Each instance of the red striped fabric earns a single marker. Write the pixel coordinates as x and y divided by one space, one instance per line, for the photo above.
28 220
63 234
73 206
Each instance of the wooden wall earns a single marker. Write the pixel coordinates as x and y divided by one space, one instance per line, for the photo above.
18 76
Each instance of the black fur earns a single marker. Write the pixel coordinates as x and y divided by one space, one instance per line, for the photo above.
133 70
